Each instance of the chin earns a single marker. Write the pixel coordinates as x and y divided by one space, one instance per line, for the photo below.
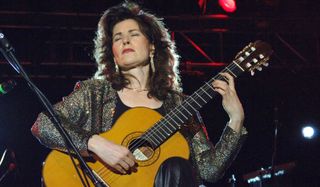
127 67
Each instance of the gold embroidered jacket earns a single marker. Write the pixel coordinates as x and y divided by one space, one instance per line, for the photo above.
89 110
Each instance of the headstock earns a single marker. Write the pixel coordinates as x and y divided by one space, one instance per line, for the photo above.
253 56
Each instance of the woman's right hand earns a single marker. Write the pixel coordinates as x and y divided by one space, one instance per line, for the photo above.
116 156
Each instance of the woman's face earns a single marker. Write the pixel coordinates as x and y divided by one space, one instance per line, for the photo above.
130 47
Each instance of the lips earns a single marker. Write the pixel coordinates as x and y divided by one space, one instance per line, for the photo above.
128 50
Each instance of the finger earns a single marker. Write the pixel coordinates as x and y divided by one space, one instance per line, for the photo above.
220 91
119 168
223 77
220 84
131 157
230 79
131 162
124 165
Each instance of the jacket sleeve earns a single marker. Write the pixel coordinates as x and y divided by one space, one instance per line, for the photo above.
73 114
212 161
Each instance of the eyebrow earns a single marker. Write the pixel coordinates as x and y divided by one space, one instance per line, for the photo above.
119 33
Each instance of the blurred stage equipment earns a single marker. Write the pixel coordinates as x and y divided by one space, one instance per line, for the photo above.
232 181
275 175
7 86
263 177
7 163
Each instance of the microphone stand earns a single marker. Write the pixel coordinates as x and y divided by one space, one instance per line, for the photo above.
7 51
274 154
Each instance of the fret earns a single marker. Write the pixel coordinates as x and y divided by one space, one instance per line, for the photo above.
220 77
209 85
185 117
178 117
195 101
239 66
161 133
186 110
173 120
191 106
206 93
200 97
234 75
149 139
170 131
236 70
169 123
154 135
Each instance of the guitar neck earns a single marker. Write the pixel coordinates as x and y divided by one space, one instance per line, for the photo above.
172 121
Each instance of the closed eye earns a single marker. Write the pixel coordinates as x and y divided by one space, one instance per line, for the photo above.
116 39
135 34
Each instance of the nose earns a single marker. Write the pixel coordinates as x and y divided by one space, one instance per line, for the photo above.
126 40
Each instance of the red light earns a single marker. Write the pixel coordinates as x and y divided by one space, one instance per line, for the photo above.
228 5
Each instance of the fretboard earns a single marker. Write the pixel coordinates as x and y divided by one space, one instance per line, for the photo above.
173 120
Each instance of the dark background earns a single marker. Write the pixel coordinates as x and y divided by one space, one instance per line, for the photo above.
53 41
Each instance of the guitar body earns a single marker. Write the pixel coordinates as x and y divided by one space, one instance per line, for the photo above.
59 171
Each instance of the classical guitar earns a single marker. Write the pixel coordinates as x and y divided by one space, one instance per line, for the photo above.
151 138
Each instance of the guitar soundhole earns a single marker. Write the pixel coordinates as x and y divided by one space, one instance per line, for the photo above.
141 149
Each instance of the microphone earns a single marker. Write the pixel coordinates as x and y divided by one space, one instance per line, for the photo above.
7 86
7 50
4 43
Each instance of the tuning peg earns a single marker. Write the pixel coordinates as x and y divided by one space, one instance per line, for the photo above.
259 68
248 65
261 56
252 73
265 64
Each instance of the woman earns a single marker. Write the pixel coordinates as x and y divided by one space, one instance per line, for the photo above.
137 66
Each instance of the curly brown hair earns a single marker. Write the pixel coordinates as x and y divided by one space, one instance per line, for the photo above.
166 77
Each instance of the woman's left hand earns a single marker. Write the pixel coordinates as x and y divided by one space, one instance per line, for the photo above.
230 99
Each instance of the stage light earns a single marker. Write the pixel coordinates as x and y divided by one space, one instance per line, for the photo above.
228 5
308 132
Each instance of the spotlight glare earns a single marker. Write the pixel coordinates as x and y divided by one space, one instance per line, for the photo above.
228 5
308 132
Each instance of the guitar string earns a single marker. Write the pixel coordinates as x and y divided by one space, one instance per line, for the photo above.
103 172
187 100
225 70
139 143
234 64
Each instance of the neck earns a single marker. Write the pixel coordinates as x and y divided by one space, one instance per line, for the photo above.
138 77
